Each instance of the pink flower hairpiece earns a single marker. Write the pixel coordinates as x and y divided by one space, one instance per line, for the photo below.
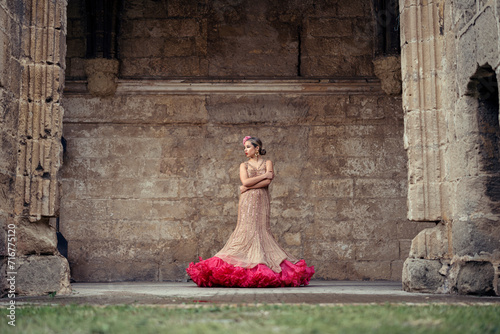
245 139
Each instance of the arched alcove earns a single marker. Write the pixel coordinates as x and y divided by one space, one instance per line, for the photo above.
483 87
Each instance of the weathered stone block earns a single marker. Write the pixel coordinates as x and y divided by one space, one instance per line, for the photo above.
378 188
322 46
330 252
130 270
83 210
409 229
133 209
101 76
355 8
485 35
39 275
36 238
338 270
476 278
372 270
326 110
431 243
326 66
293 239
172 210
329 27
155 28
388 70
183 8
396 270
475 237
376 250
421 275
374 230
328 230
337 188
466 61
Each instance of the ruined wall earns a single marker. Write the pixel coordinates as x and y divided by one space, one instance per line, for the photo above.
10 68
150 177
451 114
31 64
150 182
234 38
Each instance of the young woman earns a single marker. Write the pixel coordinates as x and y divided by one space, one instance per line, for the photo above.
252 257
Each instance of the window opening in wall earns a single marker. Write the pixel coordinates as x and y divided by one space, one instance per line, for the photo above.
387 30
101 28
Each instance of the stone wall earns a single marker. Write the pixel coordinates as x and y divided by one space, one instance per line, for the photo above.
450 98
31 65
10 68
150 178
178 38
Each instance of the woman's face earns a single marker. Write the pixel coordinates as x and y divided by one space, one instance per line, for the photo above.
250 150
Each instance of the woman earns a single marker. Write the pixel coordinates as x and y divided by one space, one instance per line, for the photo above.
252 257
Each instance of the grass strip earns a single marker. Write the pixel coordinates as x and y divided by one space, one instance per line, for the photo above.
234 319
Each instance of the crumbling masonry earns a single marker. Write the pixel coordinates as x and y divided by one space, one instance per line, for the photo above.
385 113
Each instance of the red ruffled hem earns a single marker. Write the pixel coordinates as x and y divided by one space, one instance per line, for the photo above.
216 272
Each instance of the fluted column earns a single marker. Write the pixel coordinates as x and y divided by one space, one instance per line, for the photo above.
421 66
38 266
40 114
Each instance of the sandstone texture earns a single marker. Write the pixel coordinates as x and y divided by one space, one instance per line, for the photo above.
32 63
150 182
101 76
450 102
150 177
369 184
234 39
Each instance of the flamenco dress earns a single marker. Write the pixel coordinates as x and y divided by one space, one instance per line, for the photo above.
251 257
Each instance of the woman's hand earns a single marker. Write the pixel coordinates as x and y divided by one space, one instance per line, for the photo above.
269 175
243 189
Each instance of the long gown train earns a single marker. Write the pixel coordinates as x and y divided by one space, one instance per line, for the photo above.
252 256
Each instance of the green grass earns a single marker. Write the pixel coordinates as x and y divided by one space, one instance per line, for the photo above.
289 319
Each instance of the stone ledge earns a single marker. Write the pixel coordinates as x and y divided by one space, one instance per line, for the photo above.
235 86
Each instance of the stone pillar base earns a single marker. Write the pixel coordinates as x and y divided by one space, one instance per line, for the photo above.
430 268
39 275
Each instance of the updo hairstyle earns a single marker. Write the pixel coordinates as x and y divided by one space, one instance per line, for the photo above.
257 142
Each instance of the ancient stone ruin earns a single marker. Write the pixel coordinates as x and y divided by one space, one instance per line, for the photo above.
121 125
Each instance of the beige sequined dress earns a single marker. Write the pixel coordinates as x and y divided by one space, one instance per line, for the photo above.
251 257
252 242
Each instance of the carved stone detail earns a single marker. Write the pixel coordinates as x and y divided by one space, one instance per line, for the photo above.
39 151
421 68
40 114
101 76
388 70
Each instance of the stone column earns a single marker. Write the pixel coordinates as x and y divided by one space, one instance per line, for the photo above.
425 135
39 266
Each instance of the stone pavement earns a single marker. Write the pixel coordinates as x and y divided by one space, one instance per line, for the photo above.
174 293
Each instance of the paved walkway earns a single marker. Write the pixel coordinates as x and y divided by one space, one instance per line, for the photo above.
174 293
